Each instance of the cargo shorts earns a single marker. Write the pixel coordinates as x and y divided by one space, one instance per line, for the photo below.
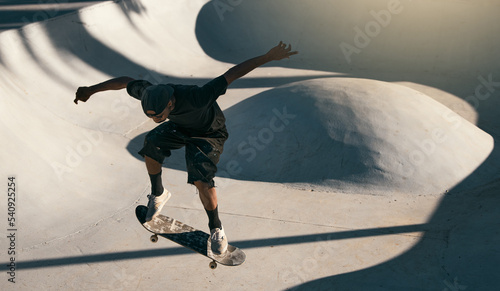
202 152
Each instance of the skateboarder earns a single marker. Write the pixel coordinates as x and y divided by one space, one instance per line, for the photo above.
196 122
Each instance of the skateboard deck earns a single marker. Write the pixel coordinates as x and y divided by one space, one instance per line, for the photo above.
188 237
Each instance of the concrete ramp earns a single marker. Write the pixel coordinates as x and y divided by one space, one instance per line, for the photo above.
353 136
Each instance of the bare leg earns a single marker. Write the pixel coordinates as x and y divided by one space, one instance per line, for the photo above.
208 195
153 166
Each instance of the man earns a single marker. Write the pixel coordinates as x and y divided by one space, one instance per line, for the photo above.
195 122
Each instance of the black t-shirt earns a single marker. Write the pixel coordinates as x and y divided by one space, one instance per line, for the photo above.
196 108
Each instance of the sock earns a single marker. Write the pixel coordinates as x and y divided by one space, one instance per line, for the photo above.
213 218
156 185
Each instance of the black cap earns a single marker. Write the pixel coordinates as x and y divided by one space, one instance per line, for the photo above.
153 97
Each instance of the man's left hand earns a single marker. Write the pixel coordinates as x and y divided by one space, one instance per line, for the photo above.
280 52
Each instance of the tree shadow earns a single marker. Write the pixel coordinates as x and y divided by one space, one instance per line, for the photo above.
25 12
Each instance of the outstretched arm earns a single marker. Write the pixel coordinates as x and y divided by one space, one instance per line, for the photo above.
83 93
277 53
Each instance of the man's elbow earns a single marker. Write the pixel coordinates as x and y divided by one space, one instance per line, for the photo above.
229 77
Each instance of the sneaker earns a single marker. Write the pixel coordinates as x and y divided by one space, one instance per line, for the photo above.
156 203
218 241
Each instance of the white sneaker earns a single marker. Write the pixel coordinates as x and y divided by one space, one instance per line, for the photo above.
156 203
218 241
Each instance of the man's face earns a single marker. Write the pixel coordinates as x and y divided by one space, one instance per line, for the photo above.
162 116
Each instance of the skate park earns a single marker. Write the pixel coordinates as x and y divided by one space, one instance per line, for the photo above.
366 162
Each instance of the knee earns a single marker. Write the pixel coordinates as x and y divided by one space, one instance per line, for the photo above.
203 186
152 149
150 138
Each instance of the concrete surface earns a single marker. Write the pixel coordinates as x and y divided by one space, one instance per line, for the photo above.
367 162
17 13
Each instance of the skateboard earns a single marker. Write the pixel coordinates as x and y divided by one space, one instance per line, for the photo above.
189 237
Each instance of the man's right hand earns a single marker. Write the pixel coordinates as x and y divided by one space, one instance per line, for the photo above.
83 94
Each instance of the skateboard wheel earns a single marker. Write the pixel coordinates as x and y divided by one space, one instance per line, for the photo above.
213 265
153 238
